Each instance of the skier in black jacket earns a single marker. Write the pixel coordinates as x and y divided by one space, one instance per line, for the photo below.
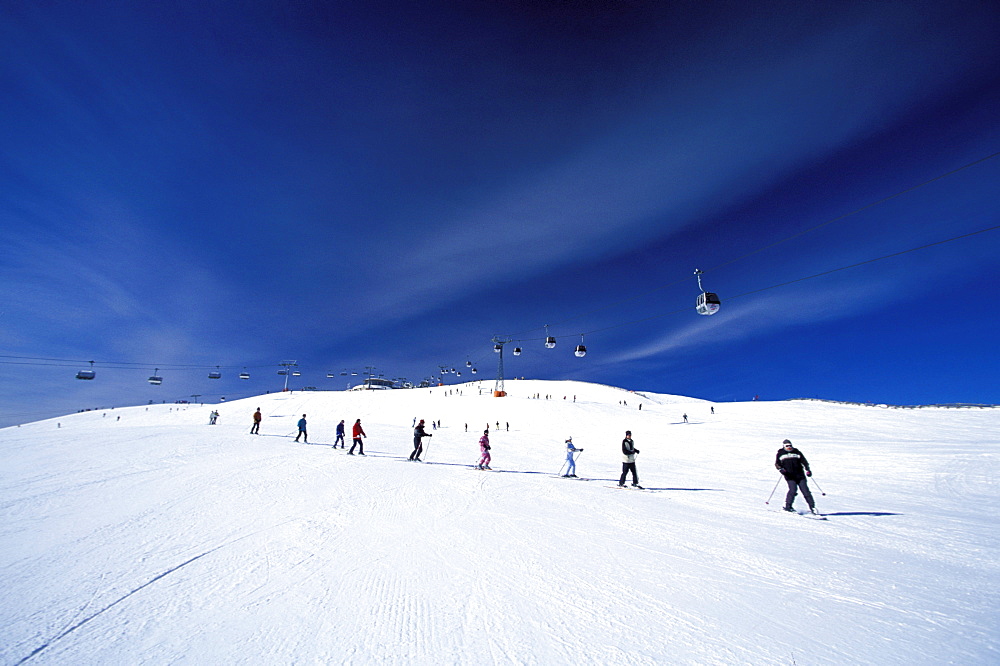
418 438
795 468
628 460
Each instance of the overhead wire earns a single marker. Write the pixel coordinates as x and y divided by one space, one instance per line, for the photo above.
58 362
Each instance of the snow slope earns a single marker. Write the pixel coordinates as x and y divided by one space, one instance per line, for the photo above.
144 535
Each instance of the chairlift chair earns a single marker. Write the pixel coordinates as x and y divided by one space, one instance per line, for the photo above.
215 374
581 350
87 374
296 373
330 375
498 348
474 371
550 341
282 372
517 351
244 375
155 380
707 303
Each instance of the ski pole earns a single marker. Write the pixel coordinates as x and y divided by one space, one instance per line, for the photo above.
768 501
818 488
559 473
427 448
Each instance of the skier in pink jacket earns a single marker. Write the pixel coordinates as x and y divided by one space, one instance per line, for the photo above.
484 448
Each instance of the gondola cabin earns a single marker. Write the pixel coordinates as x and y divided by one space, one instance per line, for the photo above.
244 375
155 380
550 342
517 351
707 303
581 351
215 375
498 348
86 374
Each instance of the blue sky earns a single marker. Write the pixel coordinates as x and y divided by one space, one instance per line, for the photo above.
393 184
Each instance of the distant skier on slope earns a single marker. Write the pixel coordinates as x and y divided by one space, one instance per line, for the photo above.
255 428
628 460
795 468
484 449
418 438
570 459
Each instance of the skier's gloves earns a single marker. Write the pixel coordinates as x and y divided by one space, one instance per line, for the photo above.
808 473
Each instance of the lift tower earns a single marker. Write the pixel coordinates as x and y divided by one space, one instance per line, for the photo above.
498 343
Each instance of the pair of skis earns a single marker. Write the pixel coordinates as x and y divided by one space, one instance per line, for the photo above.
804 514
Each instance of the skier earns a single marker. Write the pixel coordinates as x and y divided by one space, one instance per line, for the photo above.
795 468
685 418
628 460
418 438
302 430
570 460
484 448
255 429
358 432
340 434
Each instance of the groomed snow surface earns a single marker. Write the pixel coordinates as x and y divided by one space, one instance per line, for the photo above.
145 535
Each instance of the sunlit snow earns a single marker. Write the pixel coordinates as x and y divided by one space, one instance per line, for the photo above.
145 535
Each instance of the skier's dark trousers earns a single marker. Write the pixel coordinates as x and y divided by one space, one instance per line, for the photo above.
795 468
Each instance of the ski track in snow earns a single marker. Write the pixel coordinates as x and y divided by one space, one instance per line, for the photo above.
162 539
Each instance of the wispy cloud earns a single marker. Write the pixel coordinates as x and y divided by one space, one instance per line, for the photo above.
686 156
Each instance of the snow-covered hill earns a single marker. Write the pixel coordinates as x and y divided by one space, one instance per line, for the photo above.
145 535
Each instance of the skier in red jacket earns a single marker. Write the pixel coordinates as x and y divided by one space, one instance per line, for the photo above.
358 433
